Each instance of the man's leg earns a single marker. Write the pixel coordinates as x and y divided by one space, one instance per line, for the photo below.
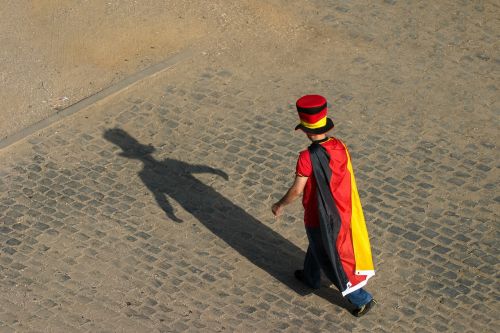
359 297
362 300
318 251
311 275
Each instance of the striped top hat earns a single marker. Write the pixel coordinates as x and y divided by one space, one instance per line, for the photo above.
312 111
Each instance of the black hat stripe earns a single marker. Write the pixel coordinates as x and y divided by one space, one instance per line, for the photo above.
313 110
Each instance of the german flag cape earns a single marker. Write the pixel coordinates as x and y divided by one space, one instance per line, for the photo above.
342 222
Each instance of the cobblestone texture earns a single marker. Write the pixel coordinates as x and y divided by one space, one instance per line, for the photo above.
151 212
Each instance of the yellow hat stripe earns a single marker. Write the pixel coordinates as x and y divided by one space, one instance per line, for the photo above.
318 124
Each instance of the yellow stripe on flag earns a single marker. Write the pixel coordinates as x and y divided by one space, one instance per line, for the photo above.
360 239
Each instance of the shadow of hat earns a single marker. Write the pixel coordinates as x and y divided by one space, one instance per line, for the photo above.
129 145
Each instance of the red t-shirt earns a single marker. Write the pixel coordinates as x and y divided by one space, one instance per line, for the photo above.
338 164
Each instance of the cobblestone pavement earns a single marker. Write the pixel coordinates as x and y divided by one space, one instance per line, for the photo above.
150 212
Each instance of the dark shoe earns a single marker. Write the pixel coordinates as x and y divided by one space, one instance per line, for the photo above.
364 309
299 275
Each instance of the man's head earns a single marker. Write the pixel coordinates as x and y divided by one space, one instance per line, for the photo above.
313 111
316 137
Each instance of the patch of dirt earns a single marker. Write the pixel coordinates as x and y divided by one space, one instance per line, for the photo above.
55 53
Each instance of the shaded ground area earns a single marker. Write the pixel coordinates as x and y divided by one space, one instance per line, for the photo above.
91 209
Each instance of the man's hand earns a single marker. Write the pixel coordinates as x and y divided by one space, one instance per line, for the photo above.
293 193
277 209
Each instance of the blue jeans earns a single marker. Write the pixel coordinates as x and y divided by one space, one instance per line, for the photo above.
317 260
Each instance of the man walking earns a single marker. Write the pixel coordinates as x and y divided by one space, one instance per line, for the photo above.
333 217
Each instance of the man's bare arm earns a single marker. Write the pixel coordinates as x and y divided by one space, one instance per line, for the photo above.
294 192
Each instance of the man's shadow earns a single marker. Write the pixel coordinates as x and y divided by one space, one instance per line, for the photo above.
262 246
